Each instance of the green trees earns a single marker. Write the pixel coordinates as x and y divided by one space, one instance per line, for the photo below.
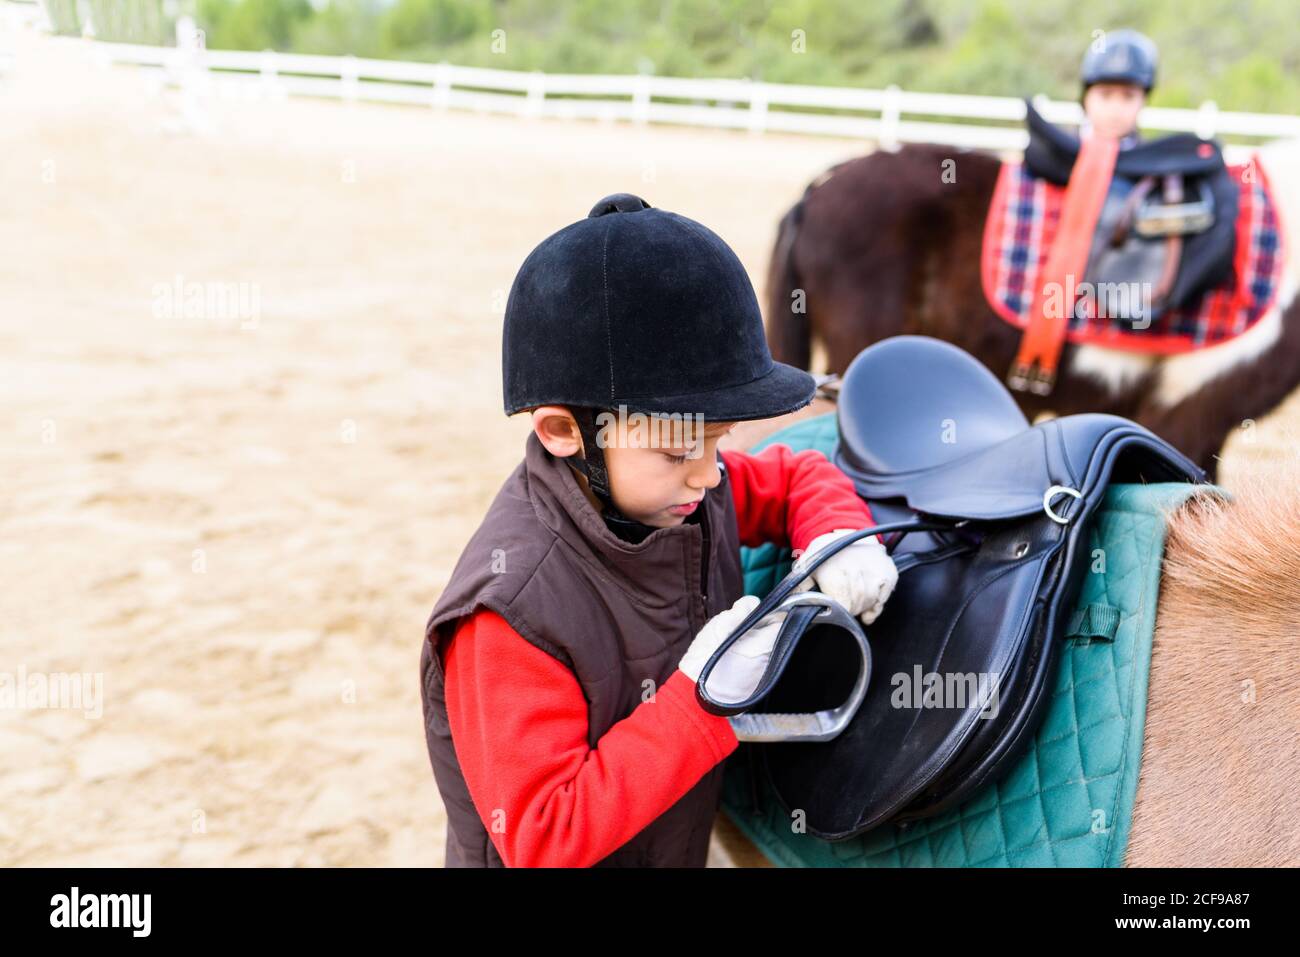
252 24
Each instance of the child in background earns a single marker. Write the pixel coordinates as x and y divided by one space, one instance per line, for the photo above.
1117 74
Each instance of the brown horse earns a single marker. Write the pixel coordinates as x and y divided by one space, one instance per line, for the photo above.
887 244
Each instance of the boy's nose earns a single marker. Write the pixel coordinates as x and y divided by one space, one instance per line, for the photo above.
705 473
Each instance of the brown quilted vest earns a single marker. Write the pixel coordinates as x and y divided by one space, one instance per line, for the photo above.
618 615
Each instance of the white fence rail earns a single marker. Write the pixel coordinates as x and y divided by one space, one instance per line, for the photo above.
734 104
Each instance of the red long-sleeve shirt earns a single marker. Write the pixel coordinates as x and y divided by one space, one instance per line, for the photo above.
519 718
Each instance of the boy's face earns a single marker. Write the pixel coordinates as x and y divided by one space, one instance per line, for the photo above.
1112 108
659 469
659 476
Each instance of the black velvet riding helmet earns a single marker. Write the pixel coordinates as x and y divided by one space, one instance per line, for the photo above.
645 309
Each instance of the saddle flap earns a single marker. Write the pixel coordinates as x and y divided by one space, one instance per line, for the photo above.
945 649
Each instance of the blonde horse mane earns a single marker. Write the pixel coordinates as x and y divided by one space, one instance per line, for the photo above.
1222 741
1241 556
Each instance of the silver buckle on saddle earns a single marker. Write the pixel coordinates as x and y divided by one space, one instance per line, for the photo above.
1155 219
1051 493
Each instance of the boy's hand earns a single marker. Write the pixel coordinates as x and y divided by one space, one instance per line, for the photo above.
737 672
861 577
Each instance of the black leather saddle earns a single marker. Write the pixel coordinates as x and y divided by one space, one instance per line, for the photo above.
995 514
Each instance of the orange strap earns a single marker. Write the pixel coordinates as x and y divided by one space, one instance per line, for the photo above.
1054 295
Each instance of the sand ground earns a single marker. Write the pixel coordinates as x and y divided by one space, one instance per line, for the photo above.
241 521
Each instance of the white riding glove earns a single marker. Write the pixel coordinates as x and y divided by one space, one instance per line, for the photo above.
860 577
737 672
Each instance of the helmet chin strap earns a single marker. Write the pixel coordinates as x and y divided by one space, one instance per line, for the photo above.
591 463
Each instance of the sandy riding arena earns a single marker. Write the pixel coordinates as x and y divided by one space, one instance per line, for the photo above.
252 411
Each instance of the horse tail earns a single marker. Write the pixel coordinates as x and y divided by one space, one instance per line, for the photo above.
788 332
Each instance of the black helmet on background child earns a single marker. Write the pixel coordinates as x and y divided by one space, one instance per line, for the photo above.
1120 56
645 309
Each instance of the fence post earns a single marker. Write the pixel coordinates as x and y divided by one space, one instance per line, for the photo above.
192 75
757 108
269 76
441 86
641 99
1207 119
889 116
348 78
536 93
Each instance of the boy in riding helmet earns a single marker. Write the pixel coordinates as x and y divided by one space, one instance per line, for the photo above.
558 675
1117 74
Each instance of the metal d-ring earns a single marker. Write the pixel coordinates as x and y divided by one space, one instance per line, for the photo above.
1050 494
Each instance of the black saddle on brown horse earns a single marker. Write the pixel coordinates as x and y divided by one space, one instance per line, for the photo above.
1169 221
993 516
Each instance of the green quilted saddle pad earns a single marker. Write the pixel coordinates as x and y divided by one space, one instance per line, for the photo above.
1069 801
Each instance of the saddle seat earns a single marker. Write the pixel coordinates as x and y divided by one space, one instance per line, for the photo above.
967 642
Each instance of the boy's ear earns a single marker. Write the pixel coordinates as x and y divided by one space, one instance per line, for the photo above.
557 430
